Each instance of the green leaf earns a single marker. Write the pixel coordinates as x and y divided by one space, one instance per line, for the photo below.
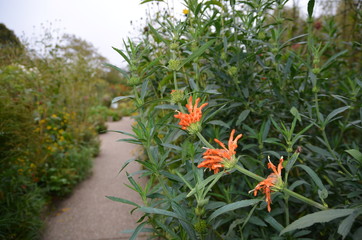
347 223
167 229
313 175
319 150
355 154
233 206
123 55
168 145
160 211
123 72
291 161
193 84
144 89
126 163
219 123
197 53
243 115
137 231
274 223
295 113
310 7
334 113
203 183
123 132
122 200
167 106
330 60
156 35
116 99
318 217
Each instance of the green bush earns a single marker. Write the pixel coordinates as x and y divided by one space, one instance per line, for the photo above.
48 136
293 92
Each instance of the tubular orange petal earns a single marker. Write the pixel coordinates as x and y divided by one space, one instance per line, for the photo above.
215 158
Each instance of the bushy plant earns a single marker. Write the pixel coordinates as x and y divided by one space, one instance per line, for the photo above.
48 135
275 117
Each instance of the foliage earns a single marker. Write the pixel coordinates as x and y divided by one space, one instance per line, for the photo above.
296 98
48 129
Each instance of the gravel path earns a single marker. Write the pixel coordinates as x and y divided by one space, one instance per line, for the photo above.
87 214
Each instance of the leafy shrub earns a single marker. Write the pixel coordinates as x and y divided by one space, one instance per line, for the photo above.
47 134
292 97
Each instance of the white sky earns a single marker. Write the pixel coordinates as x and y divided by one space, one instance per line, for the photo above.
104 23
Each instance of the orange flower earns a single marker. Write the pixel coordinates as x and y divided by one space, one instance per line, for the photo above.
192 118
271 181
218 158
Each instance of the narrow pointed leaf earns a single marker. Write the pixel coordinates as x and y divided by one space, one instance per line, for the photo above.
122 200
313 175
116 99
137 231
345 226
123 55
243 115
197 53
318 217
334 113
233 206
355 154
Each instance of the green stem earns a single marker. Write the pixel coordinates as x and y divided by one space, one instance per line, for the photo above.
248 173
304 199
207 144
175 80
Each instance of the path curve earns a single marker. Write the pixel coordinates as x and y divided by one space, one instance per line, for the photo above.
87 214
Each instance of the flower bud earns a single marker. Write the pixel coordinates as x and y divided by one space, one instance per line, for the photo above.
316 70
174 46
174 64
177 96
194 128
133 81
232 71
200 226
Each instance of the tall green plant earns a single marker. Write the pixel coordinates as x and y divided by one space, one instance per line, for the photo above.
293 98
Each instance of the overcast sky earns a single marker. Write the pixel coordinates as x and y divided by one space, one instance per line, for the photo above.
104 23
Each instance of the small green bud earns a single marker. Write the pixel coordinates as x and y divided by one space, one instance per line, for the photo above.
200 226
275 50
133 68
232 71
177 96
194 46
194 128
223 56
174 46
133 81
202 202
261 35
174 64
199 211
315 89
139 102
229 163
316 70
315 60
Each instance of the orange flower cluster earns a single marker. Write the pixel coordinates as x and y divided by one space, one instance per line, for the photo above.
218 158
194 115
269 182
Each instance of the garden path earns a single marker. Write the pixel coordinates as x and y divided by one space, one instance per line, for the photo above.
87 214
